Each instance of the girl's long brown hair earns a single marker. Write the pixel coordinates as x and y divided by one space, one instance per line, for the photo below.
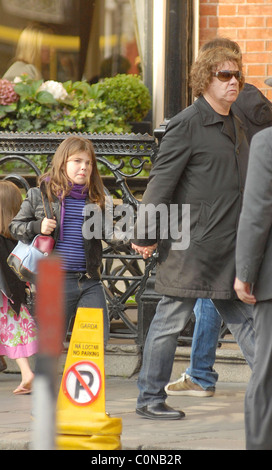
56 179
10 203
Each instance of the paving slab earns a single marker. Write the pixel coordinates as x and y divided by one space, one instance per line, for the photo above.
211 423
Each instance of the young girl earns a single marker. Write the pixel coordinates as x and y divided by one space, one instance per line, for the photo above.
18 334
72 182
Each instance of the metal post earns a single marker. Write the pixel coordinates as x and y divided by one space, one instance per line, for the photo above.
49 313
148 52
178 55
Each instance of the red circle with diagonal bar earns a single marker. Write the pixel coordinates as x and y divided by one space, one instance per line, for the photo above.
82 383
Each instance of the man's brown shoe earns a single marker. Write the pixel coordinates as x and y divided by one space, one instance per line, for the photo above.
184 386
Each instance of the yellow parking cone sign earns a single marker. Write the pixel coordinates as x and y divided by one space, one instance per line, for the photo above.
82 422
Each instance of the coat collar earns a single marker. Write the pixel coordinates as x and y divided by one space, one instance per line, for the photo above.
209 117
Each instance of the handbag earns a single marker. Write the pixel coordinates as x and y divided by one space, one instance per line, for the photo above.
24 257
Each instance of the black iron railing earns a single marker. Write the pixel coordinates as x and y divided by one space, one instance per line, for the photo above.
128 280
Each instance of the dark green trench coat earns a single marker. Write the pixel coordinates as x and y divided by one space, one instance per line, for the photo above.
199 164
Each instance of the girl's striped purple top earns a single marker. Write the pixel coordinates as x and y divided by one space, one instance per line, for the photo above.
71 248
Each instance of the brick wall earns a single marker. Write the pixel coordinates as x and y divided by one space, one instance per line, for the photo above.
248 22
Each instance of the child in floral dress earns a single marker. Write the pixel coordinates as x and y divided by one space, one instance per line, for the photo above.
18 333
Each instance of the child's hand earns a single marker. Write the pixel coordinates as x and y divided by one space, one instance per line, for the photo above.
145 251
48 226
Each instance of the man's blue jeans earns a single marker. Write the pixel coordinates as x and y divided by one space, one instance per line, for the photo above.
204 344
87 293
172 315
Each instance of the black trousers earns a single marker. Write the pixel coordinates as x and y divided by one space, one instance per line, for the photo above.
258 399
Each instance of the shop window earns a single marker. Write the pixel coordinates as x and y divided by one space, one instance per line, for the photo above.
85 39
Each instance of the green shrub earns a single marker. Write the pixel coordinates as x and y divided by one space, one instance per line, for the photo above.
79 110
128 95
105 107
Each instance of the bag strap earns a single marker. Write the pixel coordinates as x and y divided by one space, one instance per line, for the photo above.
46 203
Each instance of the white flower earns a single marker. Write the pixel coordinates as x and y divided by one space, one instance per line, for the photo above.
55 88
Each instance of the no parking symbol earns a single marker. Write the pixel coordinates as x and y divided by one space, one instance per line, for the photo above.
82 383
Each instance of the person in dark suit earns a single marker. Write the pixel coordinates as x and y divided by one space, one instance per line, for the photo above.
253 285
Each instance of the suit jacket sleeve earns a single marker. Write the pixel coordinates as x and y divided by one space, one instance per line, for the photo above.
256 216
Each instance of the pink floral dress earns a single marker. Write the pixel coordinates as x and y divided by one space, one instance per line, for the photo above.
18 333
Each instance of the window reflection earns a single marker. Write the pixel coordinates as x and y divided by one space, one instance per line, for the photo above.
85 39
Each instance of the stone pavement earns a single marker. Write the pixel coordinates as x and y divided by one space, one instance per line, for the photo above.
214 423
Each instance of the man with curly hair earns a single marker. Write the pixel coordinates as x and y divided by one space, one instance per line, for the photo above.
202 162
200 377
